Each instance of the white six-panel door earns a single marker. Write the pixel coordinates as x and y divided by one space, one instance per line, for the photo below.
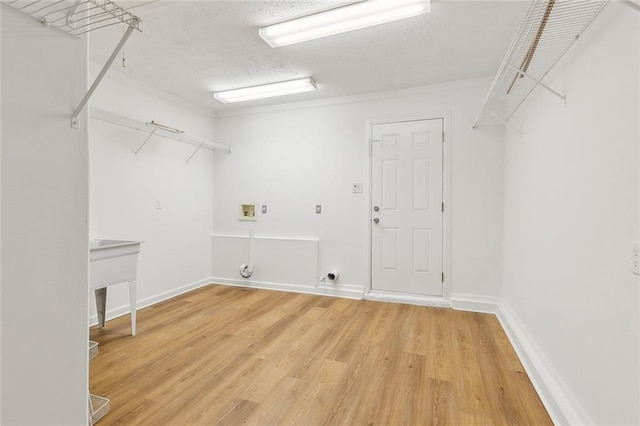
406 195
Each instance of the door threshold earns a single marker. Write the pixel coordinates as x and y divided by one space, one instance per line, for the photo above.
409 299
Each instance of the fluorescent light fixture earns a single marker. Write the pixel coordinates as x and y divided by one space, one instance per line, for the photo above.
266 90
342 19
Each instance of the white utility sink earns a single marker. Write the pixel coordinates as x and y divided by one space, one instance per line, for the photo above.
113 262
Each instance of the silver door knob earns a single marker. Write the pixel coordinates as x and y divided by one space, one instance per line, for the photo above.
376 220
376 209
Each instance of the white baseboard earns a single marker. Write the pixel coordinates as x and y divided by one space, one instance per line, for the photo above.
475 303
342 290
383 296
562 407
556 396
124 309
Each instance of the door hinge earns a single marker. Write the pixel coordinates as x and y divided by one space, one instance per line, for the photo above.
442 137
443 277
442 207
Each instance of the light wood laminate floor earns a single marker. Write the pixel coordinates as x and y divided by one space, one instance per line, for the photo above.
225 355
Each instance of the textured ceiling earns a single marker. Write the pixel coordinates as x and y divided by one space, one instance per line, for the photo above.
190 48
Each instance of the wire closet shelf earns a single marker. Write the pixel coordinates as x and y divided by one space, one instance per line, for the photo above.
547 32
77 17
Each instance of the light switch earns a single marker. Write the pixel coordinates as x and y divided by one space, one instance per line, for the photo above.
318 209
264 209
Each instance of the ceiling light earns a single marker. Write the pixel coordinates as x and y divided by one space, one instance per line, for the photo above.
266 90
342 19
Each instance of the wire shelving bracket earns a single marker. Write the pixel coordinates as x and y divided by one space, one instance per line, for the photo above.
547 32
78 17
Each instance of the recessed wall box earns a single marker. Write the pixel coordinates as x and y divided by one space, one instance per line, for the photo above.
247 212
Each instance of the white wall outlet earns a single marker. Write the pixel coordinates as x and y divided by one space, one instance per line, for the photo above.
356 188
635 257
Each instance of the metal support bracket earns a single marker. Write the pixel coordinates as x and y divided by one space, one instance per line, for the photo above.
503 121
69 18
194 153
103 72
538 82
145 141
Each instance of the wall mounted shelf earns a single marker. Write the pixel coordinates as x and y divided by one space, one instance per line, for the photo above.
547 32
152 128
78 17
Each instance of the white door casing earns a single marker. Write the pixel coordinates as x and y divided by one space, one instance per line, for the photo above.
407 190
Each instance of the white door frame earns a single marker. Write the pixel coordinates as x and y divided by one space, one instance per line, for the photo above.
445 116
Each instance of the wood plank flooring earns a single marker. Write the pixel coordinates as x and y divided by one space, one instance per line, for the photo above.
231 356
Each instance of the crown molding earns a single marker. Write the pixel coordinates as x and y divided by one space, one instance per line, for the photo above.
366 97
116 75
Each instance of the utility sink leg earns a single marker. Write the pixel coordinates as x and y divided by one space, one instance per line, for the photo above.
132 304
101 305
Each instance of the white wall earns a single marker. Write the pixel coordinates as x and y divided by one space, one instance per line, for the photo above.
638 236
124 187
44 226
571 212
294 157
0 219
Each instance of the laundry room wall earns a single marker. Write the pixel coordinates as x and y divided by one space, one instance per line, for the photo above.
153 196
44 225
571 214
296 156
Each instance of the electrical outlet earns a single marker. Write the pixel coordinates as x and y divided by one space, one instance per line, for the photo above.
635 257
356 188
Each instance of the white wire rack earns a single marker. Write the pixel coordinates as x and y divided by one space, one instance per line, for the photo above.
76 17
98 408
547 32
153 128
